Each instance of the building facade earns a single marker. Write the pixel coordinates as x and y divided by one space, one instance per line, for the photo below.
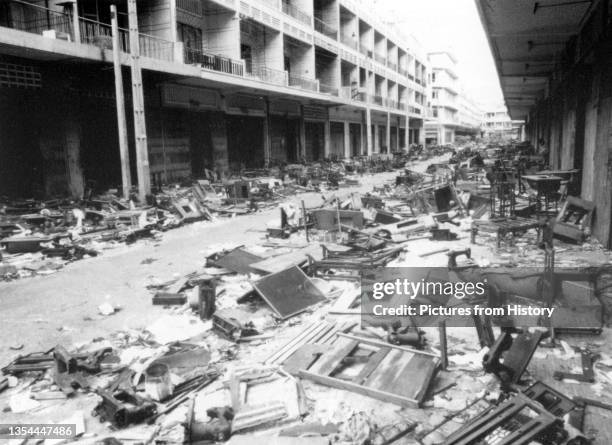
498 125
554 63
226 85
452 112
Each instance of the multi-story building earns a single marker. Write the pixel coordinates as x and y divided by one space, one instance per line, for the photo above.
226 85
452 112
497 124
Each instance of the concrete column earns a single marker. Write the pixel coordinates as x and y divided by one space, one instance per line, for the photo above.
266 134
75 20
173 30
327 139
347 140
388 135
302 133
370 148
376 139
407 135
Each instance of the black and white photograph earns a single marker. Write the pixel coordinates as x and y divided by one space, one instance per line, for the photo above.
306 222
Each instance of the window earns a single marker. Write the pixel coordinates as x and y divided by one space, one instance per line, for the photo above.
434 94
435 111
433 77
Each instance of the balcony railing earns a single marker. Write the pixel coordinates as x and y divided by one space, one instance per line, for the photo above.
302 82
415 110
366 51
37 19
101 35
403 72
351 93
402 106
296 13
392 65
269 75
391 103
191 6
380 59
348 41
214 62
328 89
376 99
325 29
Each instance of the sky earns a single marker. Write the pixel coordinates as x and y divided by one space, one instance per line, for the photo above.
450 25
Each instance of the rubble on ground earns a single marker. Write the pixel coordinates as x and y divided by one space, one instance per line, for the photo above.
266 343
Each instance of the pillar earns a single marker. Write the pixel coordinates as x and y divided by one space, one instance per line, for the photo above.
407 135
266 134
388 135
302 133
327 138
370 148
347 140
376 139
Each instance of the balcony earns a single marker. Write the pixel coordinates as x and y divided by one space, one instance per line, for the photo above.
403 72
380 59
351 93
328 89
191 6
269 75
402 106
296 13
351 43
36 19
392 65
366 51
415 110
304 83
213 62
325 29
390 103
376 99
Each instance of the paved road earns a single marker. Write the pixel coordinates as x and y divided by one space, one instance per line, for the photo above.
41 312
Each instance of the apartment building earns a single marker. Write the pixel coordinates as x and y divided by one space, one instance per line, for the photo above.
497 124
452 113
227 85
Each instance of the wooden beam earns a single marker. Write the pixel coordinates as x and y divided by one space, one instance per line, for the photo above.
124 155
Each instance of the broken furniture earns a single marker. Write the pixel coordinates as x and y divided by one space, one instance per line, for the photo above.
546 188
375 369
574 220
517 421
331 219
237 260
508 357
30 243
587 375
123 408
288 292
503 226
350 261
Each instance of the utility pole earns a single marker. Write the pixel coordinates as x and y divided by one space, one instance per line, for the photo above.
140 129
126 178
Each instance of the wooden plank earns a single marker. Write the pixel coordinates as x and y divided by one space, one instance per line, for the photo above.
285 261
310 338
297 340
372 364
359 389
419 371
373 342
389 370
331 359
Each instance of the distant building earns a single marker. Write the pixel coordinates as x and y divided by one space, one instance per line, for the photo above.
497 124
452 112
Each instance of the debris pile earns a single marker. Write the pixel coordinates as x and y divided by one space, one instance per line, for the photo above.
267 343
